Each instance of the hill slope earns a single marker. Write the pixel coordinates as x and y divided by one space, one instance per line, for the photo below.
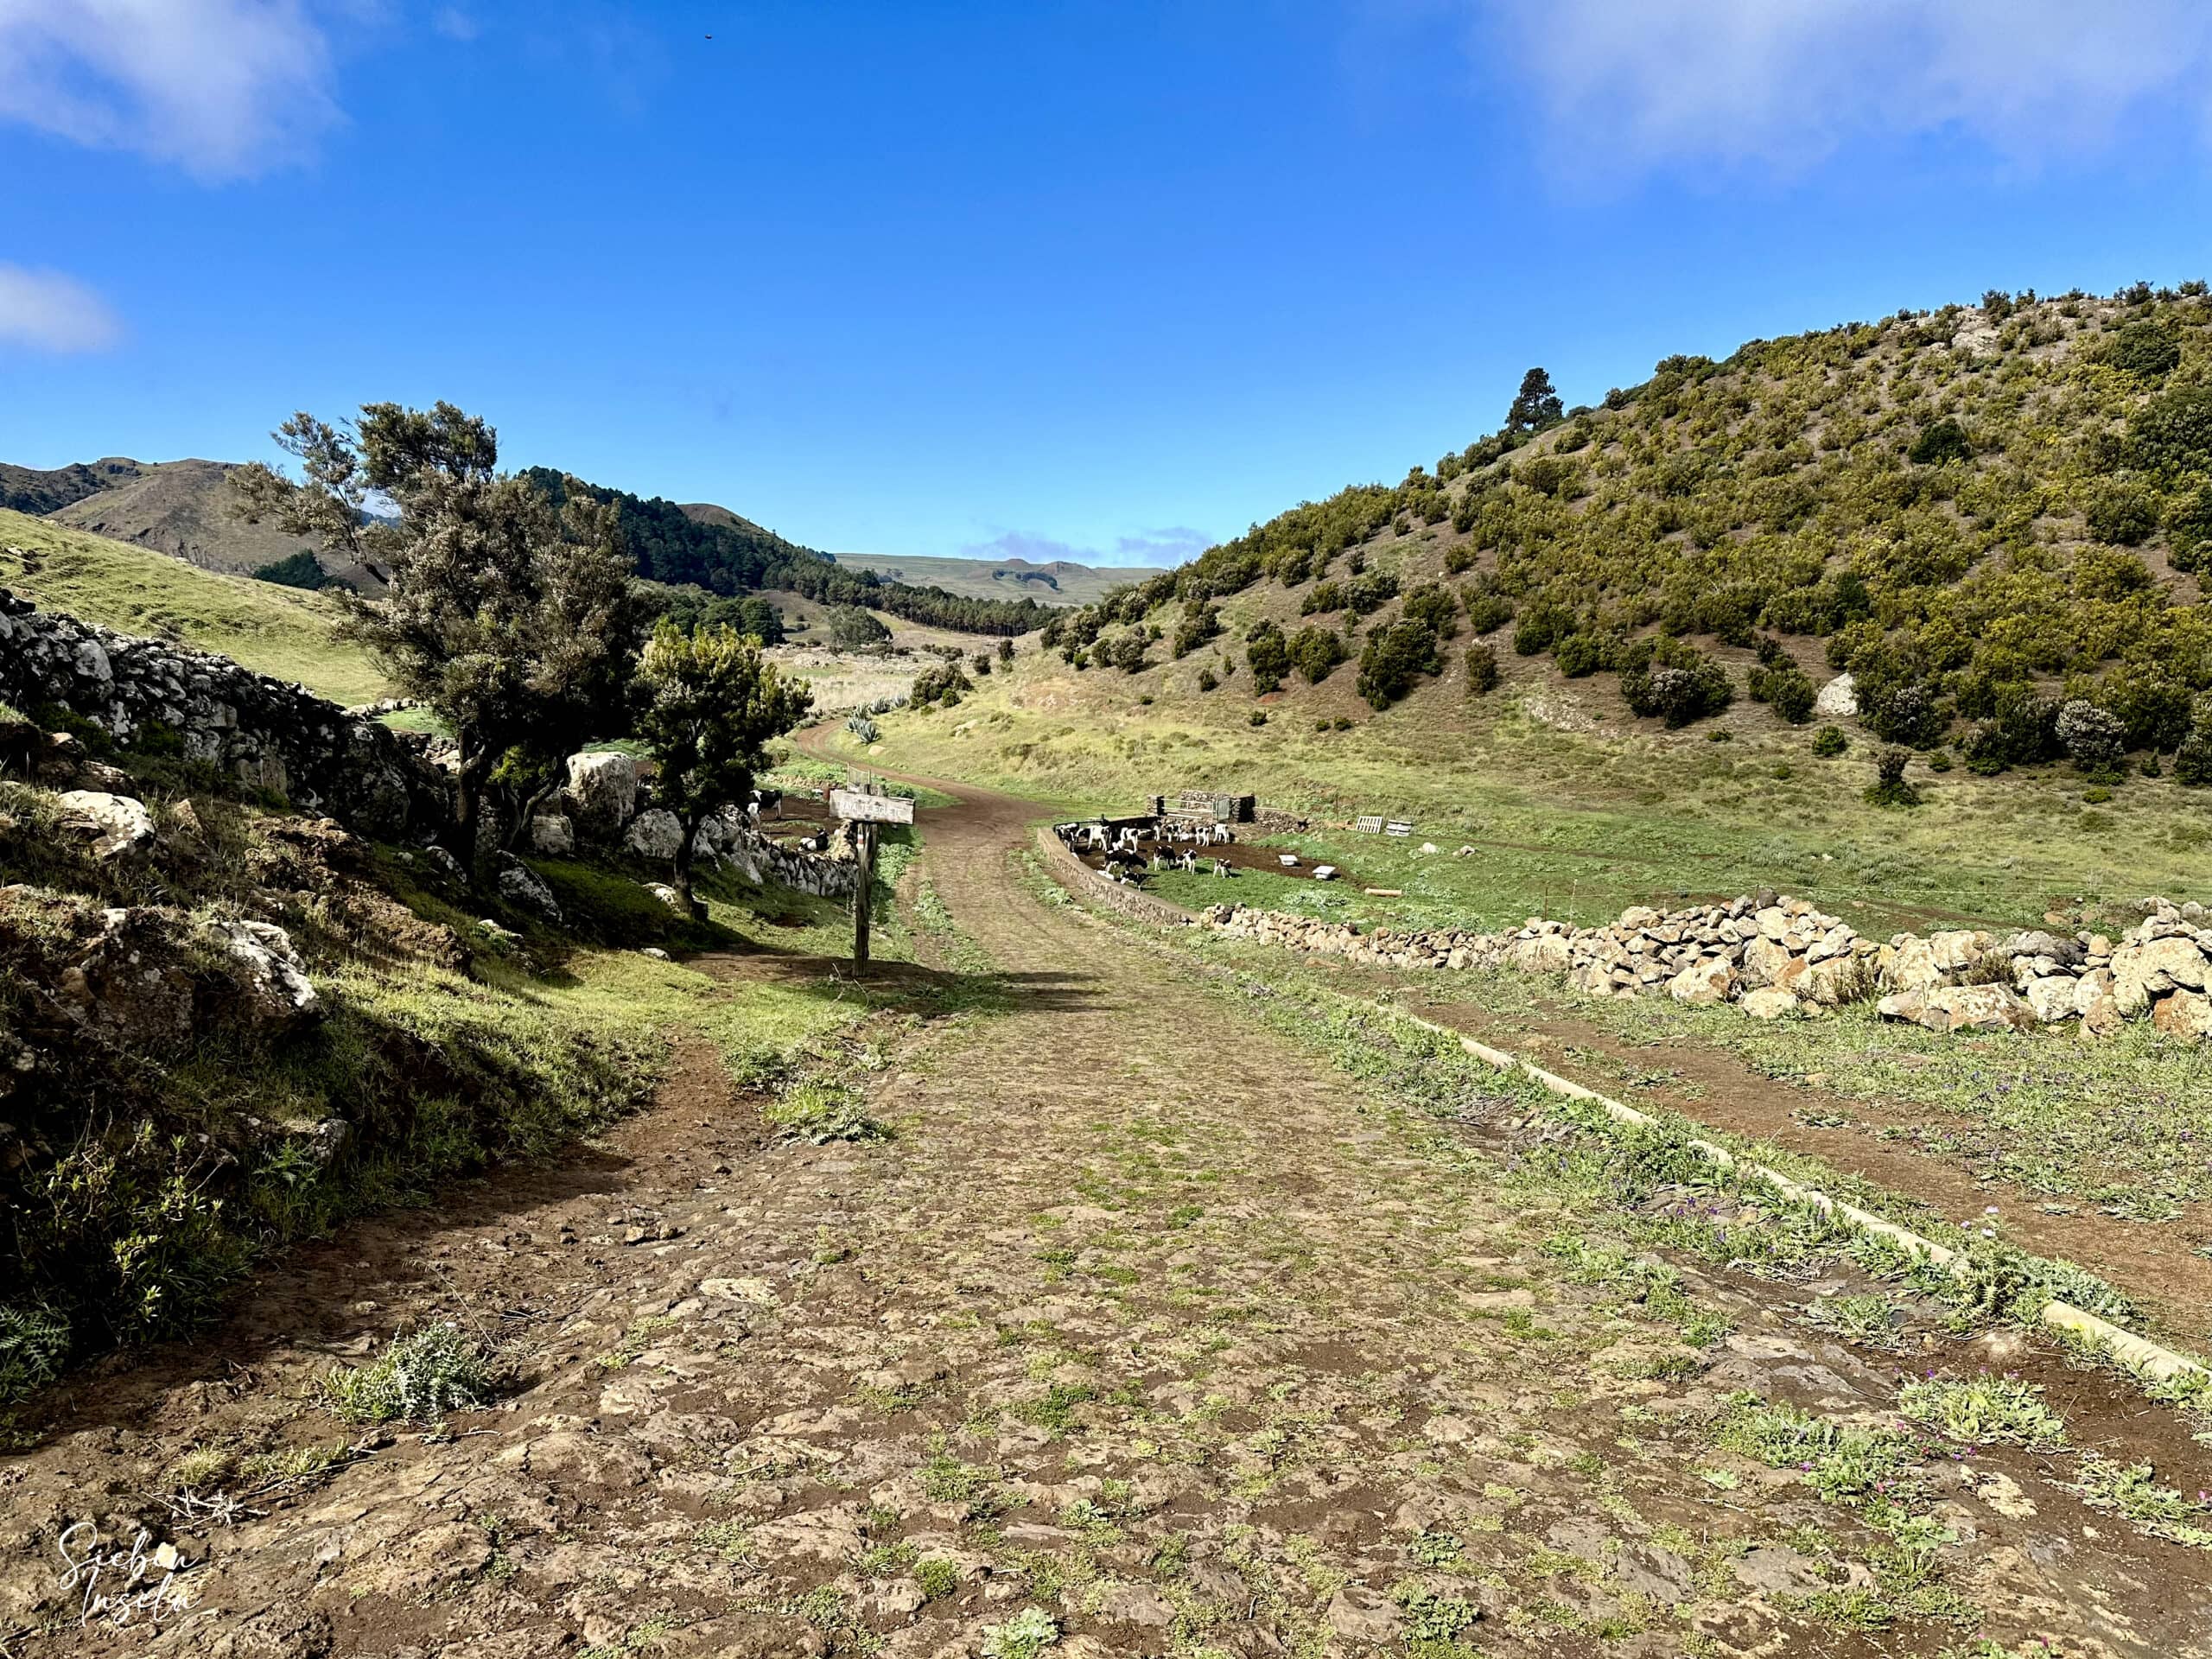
35 490
1058 581
183 508
1979 513
272 630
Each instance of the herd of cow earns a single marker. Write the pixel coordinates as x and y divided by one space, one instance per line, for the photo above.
1132 849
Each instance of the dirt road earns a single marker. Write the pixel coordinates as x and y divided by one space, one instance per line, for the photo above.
1150 1332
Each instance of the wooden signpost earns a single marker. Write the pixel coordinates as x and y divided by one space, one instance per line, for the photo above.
859 807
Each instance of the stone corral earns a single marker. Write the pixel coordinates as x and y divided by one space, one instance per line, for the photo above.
1773 956
263 731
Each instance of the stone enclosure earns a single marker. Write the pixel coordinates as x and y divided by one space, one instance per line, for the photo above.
1775 956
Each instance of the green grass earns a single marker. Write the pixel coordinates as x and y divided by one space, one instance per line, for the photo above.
279 631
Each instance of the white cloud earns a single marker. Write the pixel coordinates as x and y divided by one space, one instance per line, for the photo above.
50 312
454 24
1782 83
223 88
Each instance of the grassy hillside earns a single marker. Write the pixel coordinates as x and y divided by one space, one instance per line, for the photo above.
279 631
1735 536
183 508
1981 512
1060 582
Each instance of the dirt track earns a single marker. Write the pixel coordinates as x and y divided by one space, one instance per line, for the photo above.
1146 1319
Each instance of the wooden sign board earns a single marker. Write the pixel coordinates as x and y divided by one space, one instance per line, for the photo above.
853 805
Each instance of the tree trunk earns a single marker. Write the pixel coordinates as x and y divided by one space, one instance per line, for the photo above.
689 823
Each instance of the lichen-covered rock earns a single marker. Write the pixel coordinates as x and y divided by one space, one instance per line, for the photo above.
655 834
2147 969
523 888
2054 997
116 826
1769 1002
551 836
2184 1013
602 793
1704 983
1959 1008
274 980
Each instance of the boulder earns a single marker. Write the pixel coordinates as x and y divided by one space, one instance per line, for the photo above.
521 886
602 793
2054 997
670 897
275 983
116 825
551 835
1957 949
1959 1008
2094 1001
2147 968
1837 699
1769 1002
1910 965
655 835
1703 983
1831 982
1545 954
1765 962
1639 916
2184 1013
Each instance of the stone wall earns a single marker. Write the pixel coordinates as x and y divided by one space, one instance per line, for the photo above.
1072 873
263 731
1773 956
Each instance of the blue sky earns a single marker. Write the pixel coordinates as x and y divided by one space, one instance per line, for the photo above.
1093 280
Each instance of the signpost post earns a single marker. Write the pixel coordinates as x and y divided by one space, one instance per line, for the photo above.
859 807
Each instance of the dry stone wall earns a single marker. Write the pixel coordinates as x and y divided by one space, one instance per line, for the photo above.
263 731
1773 956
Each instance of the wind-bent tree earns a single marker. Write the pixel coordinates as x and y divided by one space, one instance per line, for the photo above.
709 705
511 617
1536 405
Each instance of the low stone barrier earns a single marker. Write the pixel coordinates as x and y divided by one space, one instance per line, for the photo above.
267 733
1774 955
1072 873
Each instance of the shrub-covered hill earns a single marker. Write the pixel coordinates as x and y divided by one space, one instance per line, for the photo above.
1997 519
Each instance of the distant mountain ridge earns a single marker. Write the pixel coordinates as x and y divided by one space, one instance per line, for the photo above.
1061 582
181 508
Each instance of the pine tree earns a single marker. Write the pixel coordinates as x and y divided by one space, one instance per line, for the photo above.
1536 406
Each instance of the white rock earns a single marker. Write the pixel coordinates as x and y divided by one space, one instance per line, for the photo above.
1837 699
2054 997
276 978
551 834
603 792
1703 983
118 825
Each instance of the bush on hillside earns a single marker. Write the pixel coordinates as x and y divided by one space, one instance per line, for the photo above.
1580 654
2143 350
1944 440
940 686
1488 610
1482 669
301 570
1269 655
1786 689
2094 739
1201 624
2122 514
1317 651
2193 761
1393 657
1670 681
1435 607
1890 787
1829 741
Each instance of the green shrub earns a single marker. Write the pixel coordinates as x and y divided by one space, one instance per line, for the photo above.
1580 654
1200 624
1317 651
2172 433
421 1377
1393 657
300 570
33 1341
2145 350
1945 439
1434 606
1488 612
1890 787
2193 761
1207 681
1268 654
1675 683
2094 739
1482 674
2122 514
